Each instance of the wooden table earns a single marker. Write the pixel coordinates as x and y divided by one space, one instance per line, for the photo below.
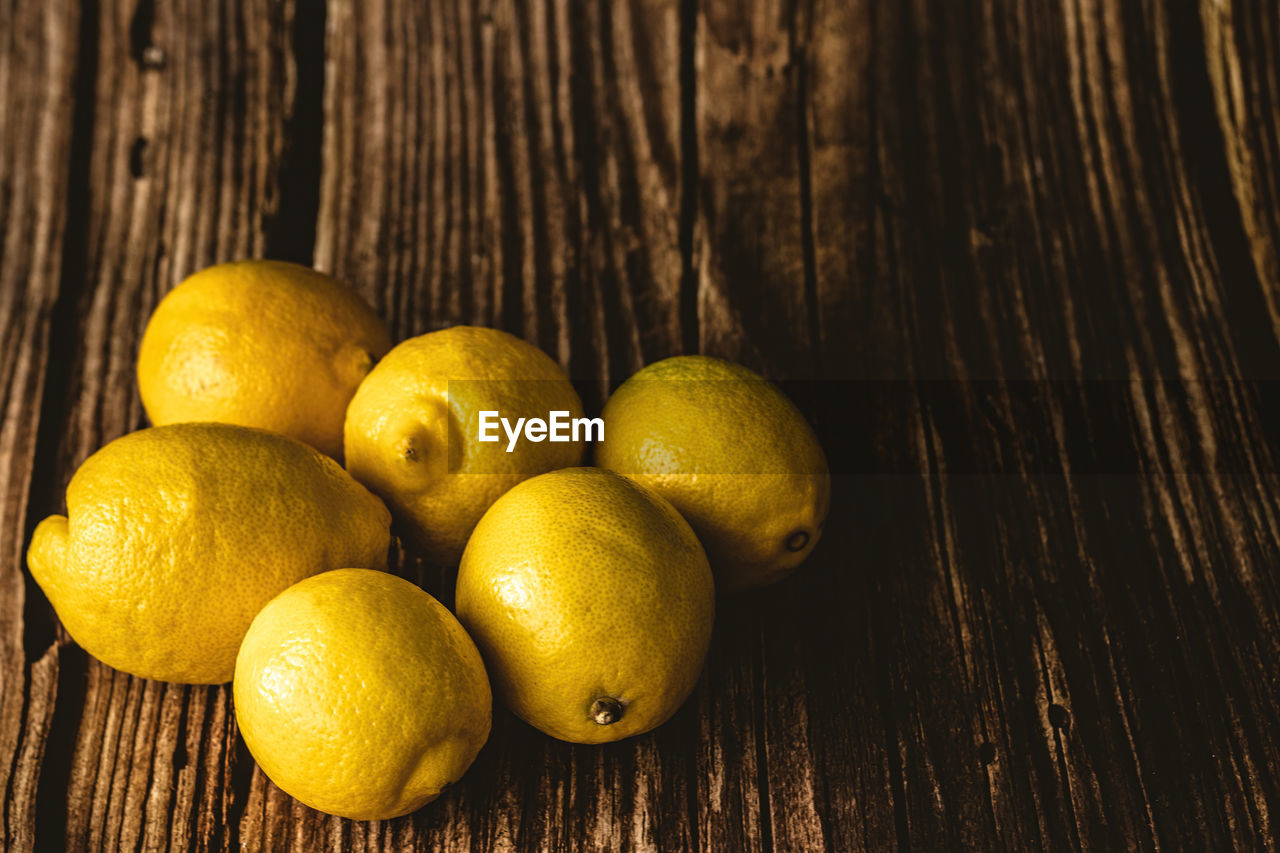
1019 260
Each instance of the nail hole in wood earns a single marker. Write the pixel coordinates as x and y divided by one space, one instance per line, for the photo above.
136 157
1059 717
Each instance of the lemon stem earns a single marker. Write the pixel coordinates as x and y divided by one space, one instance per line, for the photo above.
796 541
606 710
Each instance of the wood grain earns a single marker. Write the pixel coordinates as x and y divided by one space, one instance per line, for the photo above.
510 164
1042 220
1016 260
37 66
1240 54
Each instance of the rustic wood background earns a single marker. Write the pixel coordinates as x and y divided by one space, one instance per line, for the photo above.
1043 614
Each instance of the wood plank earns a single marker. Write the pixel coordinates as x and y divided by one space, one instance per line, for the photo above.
750 254
784 225
187 140
750 226
37 73
838 47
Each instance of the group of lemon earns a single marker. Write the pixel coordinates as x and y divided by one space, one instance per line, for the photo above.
226 543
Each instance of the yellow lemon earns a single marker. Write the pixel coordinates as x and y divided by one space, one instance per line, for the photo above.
732 453
176 536
263 344
360 694
413 429
591 601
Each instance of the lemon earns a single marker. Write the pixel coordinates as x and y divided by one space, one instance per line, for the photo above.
360 695
591 601
413 429
176 536
732 453
263 344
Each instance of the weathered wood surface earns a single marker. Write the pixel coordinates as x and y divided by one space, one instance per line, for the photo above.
1026 250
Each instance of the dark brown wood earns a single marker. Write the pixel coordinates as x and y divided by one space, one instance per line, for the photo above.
1015 259
510 164
37 66
1240 55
